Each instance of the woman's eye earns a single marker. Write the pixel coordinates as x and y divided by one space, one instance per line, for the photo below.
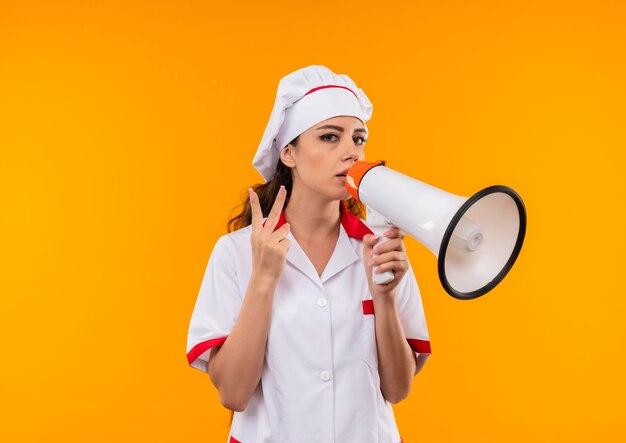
328 135
357 140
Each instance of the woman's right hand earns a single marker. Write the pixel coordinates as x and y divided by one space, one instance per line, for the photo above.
269 247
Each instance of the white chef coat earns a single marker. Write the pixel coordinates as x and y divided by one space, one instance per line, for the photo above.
320 380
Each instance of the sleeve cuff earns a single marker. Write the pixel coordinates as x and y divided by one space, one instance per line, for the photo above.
419 346
198 356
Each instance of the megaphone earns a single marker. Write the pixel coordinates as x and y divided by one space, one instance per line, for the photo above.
476 239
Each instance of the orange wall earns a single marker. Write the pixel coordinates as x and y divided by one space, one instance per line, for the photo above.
127 131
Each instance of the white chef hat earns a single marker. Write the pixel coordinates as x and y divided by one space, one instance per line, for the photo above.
304 98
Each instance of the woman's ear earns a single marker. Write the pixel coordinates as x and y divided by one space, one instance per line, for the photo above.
286 156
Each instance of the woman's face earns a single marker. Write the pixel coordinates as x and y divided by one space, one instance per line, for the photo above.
324 152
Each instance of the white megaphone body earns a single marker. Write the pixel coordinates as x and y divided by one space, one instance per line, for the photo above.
475 239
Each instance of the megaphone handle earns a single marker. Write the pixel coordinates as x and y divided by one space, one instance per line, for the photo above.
381 278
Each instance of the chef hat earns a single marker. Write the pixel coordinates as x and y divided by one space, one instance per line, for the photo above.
304 98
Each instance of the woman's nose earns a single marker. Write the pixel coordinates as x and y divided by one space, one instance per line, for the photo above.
352 149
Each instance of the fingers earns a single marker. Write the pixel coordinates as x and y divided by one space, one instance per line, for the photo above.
369 241
391 261
255 208
394 244
394 232
390 255
274 215
394 238
281 233
277 207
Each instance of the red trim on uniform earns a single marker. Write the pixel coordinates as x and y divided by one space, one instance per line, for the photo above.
234 440
331 86
353 225
368 307
281 220
201 348
419 346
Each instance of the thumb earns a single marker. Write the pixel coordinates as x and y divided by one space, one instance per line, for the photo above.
368 243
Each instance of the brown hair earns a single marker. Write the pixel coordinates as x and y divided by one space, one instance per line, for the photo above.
267 194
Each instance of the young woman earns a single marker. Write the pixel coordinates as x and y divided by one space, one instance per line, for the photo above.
288 324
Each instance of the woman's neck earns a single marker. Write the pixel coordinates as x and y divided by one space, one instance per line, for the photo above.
312 219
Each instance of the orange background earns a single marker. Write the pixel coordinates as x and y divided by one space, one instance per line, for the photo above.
127 131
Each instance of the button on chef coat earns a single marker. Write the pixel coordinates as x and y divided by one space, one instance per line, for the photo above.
320 380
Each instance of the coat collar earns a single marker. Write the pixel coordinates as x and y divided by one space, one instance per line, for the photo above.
352 224
343 255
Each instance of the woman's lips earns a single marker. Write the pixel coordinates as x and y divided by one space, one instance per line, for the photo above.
342 178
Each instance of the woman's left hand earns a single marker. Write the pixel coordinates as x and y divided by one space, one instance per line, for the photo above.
390 256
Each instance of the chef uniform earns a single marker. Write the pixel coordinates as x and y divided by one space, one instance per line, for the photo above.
320 381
